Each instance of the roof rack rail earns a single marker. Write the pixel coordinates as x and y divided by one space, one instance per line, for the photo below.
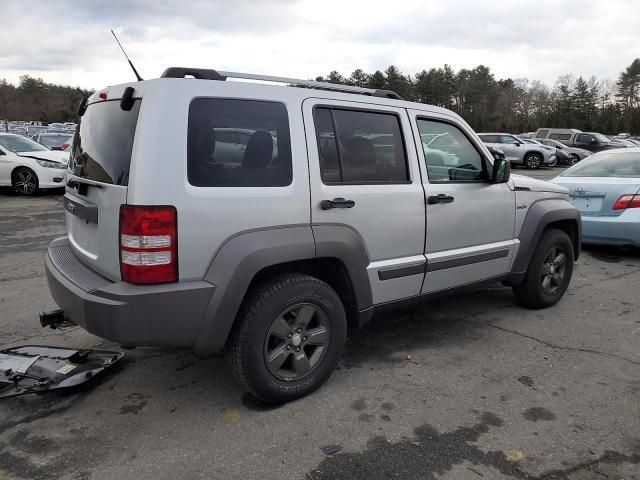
208 74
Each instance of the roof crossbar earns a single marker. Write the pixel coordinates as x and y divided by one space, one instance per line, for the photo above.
207 74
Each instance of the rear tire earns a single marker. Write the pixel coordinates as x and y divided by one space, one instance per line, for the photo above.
533 160
549 272
25 181
288 337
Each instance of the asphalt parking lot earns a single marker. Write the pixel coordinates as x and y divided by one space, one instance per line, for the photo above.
469 387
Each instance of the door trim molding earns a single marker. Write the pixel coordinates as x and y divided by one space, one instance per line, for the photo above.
434 266
403 271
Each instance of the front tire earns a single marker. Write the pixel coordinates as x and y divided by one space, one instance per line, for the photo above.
533 160
288 337
574 159
25 181
549 272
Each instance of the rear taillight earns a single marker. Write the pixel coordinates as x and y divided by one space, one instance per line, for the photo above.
64 146
148 244
627 201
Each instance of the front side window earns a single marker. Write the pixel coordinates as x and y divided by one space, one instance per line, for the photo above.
238 143
454 159
583 138
360 147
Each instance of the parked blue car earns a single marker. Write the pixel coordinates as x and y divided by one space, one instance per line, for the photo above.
605 187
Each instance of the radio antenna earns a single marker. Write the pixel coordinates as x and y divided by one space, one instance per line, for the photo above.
127 57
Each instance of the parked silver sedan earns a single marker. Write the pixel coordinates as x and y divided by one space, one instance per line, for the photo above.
605 187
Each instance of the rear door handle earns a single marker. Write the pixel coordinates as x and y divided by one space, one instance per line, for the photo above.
442 198
336 203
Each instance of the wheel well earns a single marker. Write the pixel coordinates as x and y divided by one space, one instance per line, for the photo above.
330 270
530 152
19 167
570 227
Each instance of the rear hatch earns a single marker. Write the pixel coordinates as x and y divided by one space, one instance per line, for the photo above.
97 183
595 196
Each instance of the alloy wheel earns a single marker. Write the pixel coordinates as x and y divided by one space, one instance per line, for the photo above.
25 181
296 342
553 271
534 161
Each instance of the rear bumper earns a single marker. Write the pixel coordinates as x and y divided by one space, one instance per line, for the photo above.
621 230
168 314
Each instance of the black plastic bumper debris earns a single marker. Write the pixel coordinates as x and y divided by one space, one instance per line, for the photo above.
38 368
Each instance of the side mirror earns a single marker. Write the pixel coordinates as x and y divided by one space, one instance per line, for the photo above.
501 171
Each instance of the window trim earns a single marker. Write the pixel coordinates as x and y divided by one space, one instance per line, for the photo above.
277 102
331 108
485 169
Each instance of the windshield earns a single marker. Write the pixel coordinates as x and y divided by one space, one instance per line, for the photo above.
625 164
52 140
16 143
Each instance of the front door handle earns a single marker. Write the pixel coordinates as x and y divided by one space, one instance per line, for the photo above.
441 198
336 203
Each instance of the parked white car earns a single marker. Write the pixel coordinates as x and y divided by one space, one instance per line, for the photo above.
28 166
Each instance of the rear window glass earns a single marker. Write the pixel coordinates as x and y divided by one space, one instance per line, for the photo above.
542 133
104 141
238 143
607 165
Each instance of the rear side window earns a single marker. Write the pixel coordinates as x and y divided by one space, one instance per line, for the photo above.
560 136
490 138
104 141
238 143
360 147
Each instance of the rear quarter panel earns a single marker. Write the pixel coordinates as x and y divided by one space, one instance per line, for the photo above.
209 216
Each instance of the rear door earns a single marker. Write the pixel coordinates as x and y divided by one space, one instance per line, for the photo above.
364 154
97 183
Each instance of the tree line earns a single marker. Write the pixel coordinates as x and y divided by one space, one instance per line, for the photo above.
35 99
487 103
519 105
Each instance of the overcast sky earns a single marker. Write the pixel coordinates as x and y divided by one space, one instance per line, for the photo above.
68 42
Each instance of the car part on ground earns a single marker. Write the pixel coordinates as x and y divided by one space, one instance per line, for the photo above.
39 368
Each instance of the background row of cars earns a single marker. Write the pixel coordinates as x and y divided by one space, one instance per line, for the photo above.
55 136
554 146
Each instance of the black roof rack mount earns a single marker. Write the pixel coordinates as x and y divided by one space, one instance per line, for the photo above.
207 74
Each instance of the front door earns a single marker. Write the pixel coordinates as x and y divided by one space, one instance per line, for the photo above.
470 221
365 177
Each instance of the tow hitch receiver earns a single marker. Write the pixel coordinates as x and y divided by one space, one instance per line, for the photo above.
36 368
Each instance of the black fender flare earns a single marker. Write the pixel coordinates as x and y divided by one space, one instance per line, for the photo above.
540 215
243 256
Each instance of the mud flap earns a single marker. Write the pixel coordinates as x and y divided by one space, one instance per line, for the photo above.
38 368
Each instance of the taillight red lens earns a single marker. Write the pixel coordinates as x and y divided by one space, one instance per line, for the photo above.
148 244
627 201
64 146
